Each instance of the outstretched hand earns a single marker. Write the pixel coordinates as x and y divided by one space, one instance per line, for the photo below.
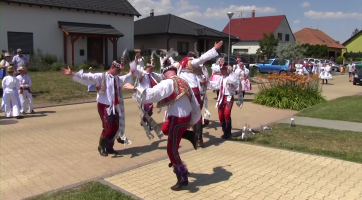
66 71
218 45
128 86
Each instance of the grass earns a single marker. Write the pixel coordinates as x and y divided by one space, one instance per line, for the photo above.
345 145
344 108
53 88
88 191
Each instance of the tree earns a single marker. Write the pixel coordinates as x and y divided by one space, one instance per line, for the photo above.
318 51
355 32
268 45
291 50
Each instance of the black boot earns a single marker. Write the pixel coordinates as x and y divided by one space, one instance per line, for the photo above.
228 130
198 131
223 126
192 137
109 146
182 179
102 146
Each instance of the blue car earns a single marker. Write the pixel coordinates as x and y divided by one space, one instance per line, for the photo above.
274 65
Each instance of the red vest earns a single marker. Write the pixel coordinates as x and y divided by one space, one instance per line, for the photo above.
181 88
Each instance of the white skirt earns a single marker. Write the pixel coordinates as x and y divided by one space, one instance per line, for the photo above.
325 75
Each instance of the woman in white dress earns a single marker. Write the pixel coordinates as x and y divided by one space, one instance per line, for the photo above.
325 73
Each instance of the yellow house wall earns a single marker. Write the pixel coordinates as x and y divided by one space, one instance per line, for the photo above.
355 45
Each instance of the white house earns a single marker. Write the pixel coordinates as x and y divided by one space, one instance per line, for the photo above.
250 31
73 30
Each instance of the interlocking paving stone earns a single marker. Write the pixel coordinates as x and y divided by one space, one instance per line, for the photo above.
226 170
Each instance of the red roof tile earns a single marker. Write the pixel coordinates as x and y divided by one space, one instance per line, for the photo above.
254 27
315 36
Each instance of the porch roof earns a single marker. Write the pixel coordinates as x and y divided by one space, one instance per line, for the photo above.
74 28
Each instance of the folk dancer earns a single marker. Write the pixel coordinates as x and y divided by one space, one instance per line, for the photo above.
183 111
189 69
10 100
325 73
147 79
110 104
162 58
140 61
227 86
26 98
243 73
216 74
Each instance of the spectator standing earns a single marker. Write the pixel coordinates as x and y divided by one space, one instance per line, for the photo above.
20 60
351 68
4 64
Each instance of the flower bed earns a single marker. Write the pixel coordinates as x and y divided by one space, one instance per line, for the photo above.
289 91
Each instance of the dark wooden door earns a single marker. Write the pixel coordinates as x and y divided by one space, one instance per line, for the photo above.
95 49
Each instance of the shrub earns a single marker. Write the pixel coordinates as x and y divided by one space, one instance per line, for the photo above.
358 59
49 59
289 91
339 60
57 66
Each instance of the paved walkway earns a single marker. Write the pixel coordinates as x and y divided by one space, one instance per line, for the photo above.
231 170
325 123
57 147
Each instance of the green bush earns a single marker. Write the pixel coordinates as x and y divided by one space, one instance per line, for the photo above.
289 92
49 59
57 66
339 60
358 59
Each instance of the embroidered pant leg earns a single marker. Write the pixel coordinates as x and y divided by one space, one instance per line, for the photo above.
175 127
110 124
15 104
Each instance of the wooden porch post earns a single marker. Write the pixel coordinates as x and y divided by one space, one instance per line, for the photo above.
65 48
114 42
106 51
72 40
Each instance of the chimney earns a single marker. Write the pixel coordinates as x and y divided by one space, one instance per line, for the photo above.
253 13
152 13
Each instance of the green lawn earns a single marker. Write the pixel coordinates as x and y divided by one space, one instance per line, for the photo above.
344 108
53 88
88 191
345 145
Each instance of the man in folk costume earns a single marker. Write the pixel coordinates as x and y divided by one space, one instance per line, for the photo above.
10 100
182 112
227 85
147 79
188 69
25 95
162 58
110 104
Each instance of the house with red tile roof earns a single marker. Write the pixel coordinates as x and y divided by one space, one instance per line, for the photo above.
250 31
315 36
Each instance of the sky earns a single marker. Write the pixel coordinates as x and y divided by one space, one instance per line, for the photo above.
336 18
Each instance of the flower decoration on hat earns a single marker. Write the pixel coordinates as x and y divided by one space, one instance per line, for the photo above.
116 64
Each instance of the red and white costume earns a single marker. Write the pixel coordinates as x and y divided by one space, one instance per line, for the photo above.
227 86
182 111
110 104
189 68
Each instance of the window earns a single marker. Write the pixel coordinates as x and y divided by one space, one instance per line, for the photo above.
276 62
183 48
240 51
21 40
280 36
286 37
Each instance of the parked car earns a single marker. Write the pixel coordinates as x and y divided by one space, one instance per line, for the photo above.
273 65
233 60
358 77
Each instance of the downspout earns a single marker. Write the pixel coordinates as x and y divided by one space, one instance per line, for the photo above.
168 40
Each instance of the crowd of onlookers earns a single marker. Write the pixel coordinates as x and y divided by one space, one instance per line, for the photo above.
16 94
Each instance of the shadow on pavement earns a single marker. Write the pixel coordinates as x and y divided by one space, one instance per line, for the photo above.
220 174
43 112
8 122
137 151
